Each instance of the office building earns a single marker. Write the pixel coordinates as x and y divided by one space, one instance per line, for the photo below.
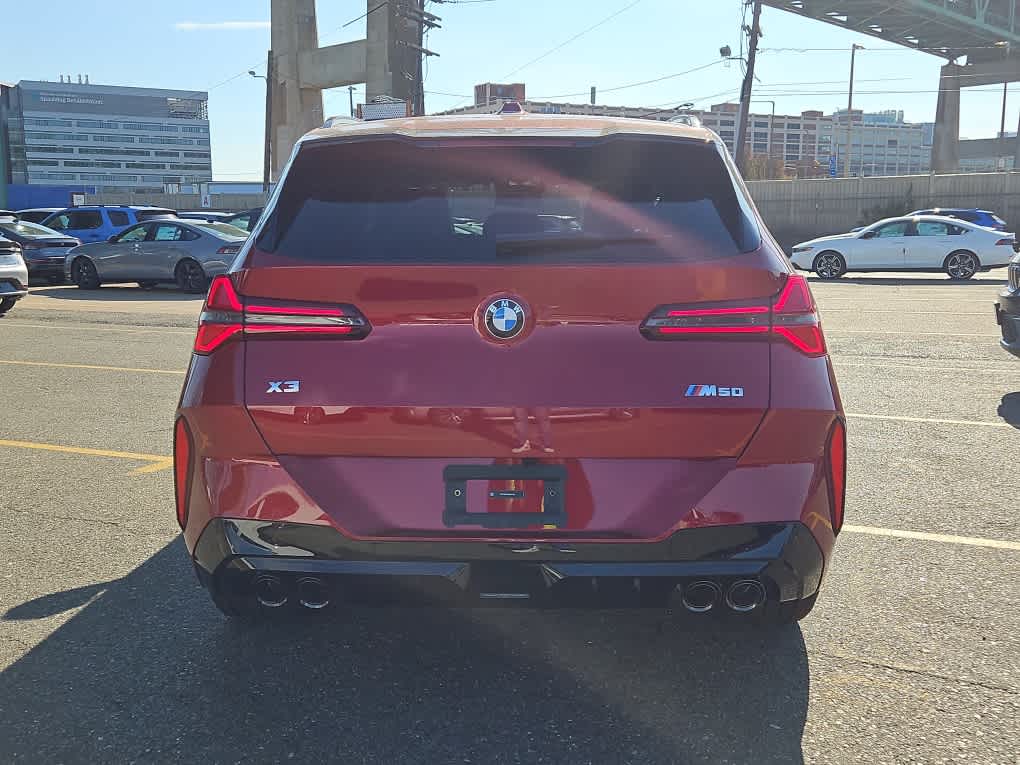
790 145
110 138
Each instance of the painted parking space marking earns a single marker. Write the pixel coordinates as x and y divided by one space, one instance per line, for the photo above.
998 544
155 462
132 329
930 420
14 362
902 332
920 367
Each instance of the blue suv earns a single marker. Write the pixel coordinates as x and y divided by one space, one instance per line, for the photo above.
985 218
97 223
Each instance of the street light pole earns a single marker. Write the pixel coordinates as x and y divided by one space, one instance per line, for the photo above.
267 152
849 109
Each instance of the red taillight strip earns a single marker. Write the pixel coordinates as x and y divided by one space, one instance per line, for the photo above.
211 336
713 330
260 329
807 339
720 311
294 311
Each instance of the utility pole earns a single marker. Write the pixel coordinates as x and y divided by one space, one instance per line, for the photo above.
267 159
745 90
350 95
849 111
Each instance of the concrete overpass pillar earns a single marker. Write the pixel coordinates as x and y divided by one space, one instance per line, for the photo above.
296 109
945 153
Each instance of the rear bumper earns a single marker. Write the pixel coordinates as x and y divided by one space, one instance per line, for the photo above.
231 555
1007 315
13 286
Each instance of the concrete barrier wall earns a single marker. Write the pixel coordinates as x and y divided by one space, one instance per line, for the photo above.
804 209
794 210
180 201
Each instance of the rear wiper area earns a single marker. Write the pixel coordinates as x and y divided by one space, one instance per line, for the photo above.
527 245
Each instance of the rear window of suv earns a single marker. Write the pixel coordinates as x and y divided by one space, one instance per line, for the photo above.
619 199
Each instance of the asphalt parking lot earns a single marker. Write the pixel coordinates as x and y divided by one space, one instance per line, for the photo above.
111 652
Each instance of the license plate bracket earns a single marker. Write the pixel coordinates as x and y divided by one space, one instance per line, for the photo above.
456 477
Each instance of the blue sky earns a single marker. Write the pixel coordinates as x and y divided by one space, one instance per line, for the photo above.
187 45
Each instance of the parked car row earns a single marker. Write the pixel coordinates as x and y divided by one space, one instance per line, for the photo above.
97 244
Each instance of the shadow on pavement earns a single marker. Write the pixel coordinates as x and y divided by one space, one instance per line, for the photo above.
148 671
114 292
1009 409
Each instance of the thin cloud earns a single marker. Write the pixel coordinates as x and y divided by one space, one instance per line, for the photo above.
203 26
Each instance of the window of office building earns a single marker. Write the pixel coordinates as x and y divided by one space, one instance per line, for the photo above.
115 152
47 122
50 149
97 124
114 138
55 136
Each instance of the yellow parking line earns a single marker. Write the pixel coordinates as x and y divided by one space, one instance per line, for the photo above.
156 462
999 544
933 420
92 366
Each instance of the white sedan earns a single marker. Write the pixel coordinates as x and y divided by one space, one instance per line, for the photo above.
917 243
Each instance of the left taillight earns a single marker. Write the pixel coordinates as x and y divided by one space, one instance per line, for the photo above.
222 316
227 315
229 249
791 317
182 469
837 473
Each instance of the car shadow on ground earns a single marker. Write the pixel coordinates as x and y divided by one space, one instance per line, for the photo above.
907 281
115 292
1009 409
146 670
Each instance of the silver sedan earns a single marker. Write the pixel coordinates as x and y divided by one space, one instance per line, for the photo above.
188 253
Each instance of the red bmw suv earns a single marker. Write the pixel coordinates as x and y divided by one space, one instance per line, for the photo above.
511 359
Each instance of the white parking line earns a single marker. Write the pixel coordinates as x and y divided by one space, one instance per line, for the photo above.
999 544
101 328
920 367
901 332
930 420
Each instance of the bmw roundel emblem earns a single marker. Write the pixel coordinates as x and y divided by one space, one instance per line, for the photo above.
504 318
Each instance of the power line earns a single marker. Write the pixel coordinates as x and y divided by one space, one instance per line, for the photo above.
364 15
632 84
563 44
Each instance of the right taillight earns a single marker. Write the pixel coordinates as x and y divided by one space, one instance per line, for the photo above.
182 470
226 315
795 319
837 473
790 317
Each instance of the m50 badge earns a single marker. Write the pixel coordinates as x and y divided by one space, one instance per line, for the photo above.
714 390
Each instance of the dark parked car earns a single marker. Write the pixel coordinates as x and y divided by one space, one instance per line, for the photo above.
985 218
1007 310
43 248
37 214
244 220
644 411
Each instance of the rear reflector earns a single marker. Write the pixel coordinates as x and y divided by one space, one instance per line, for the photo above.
837 473
791 317
182 469
226 316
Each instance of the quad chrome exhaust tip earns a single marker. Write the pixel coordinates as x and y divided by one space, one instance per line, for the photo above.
312 593
269 591
701 596
745 595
